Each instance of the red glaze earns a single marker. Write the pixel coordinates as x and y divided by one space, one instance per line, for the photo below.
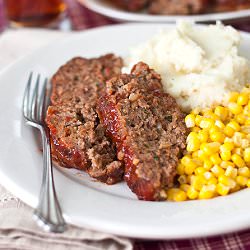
109 116
67 157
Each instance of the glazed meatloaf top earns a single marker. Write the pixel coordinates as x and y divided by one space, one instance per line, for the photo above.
148 128
77 138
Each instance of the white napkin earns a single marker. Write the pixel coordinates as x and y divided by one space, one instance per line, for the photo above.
17 228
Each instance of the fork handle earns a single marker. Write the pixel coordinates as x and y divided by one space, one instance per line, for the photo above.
48 212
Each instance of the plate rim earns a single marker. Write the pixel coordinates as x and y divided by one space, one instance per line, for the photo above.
112 229
135 17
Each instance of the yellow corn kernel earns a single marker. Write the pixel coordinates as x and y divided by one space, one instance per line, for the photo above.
190 121
211 187
207 164
225 153
179 195
215 159
182 179
245 129
198 119
184 187
245 143
228 131
217 137
230 140
191 136
235 108
199 171
202 155
207 192
238 151
227 181
237 138
248 183
170 193
228 145
198 162
180 169
193 144
241 180
241 119
240 135
206 123
238 161
208 175
222 112
211 181
219 124
233 97
217 170
242 99
203 135
246 155
210 148
186 160
198 182
214 129
190 178
231 172
234 125
226 164
244 172
192 193
222 189
189 169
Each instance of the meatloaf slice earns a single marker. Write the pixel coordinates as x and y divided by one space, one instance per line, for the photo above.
148 128
77 138
175 7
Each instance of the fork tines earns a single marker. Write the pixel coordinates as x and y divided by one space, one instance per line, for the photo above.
34 100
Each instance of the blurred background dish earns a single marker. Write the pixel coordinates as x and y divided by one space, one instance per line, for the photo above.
181 7
195 10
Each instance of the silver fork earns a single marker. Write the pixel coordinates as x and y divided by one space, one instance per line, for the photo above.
48 212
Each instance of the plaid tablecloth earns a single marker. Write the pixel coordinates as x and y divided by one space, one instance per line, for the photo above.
82 18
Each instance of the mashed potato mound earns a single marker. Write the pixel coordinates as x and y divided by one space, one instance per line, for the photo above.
198 64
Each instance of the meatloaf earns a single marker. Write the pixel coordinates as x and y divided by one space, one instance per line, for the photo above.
131 5
77 138
229 5
148 128
181 7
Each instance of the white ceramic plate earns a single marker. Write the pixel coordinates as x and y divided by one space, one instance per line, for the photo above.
85 202
108 9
